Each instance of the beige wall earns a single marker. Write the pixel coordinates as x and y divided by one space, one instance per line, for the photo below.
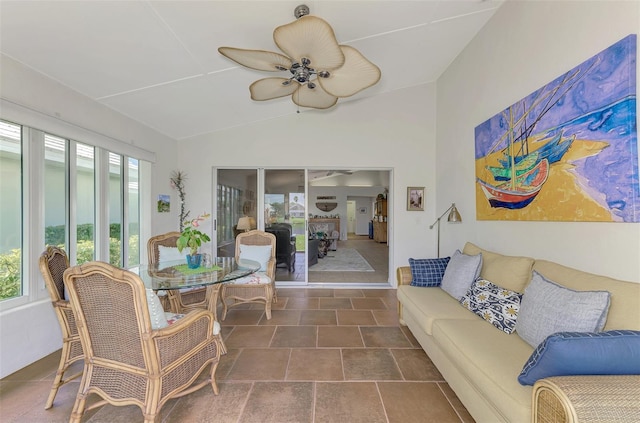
525 45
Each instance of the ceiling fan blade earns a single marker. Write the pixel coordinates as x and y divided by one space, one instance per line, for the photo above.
316 98
257 59
310 37
355 75
270 88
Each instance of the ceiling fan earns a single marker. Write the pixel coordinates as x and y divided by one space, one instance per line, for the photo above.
321 69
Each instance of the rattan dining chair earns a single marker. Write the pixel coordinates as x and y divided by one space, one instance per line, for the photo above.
180 301
53 263
257 288
127 362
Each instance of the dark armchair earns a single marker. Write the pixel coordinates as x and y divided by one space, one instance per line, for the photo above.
285 244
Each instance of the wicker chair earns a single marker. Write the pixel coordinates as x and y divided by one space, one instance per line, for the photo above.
180 301
127 362
240 292
53 263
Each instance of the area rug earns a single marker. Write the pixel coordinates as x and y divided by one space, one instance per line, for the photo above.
342 260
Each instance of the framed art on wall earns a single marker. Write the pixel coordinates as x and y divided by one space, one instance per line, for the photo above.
569 150
415 198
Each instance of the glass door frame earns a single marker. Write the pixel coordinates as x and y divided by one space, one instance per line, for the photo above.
260 208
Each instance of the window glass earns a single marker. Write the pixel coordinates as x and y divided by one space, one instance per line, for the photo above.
115 209
85 203
10 210
134 212
55 192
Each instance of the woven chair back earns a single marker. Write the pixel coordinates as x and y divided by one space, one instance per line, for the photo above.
256 237
167 240
111 304
53 263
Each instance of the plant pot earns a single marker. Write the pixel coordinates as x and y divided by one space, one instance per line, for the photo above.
193 261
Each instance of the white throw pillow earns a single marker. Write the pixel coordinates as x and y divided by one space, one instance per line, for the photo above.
259 253
156 312
460 273
171 253
547 308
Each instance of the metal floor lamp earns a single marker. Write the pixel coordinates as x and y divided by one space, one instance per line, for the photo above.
454 217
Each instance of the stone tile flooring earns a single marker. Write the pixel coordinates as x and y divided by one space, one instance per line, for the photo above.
327 355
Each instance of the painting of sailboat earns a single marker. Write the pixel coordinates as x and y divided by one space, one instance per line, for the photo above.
568 151
520 193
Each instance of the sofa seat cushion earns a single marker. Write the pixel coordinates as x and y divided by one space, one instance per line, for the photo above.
491 361
429 304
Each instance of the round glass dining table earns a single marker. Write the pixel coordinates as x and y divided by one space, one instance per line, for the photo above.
177 275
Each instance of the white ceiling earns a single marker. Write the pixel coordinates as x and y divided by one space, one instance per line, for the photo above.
157 61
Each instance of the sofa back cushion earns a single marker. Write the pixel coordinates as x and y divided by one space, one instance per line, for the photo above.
625 296
511 272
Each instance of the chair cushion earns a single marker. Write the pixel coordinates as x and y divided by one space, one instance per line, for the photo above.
259 253
461 271
156 312
615 352
171 253
255 279
172 318
428 272
548 308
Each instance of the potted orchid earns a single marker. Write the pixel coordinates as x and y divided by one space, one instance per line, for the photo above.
191 237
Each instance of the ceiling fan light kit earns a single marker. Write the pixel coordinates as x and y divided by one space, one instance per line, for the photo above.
320 69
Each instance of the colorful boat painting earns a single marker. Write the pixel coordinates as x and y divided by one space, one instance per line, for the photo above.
569 150
552 150
522 165
518 194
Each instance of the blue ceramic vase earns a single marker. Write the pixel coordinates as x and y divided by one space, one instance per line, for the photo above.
193 261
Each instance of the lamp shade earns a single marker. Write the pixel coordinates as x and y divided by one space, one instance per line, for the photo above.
454 216
244 224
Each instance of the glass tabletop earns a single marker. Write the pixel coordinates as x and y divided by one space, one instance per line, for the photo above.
176 274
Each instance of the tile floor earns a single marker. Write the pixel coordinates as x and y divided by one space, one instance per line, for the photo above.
327 355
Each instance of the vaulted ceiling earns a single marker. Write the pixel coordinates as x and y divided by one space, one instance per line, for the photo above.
157 61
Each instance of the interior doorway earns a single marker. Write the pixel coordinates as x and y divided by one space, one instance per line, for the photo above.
347 197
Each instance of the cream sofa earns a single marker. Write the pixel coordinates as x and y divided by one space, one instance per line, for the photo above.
482 363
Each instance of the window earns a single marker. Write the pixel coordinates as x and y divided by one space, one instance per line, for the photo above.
86 217
10 210
85 195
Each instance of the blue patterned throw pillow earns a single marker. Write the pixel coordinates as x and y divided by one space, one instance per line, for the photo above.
615 352
496 305
427 272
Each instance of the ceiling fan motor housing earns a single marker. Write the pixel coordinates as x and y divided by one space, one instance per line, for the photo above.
300 11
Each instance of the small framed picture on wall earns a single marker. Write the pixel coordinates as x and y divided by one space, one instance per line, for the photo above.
415 198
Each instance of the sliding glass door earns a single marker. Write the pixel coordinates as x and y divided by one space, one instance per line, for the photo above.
285 217
321 220
236 205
